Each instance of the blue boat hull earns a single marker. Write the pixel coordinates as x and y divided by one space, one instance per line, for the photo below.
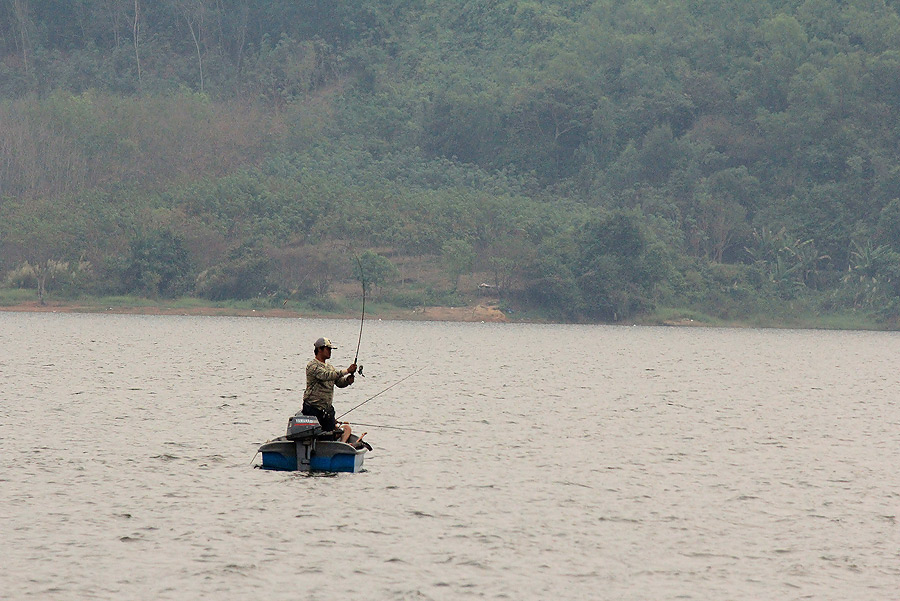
311 455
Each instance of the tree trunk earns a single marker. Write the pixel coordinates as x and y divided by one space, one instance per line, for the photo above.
136 33
196 45
20 10
42 272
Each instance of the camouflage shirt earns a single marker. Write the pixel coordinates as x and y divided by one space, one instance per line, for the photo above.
321 379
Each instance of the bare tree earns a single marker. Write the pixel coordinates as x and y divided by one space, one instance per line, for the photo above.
242 36
193 12
136 30
21 11
117 12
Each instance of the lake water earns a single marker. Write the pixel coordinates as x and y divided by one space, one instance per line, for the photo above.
568 462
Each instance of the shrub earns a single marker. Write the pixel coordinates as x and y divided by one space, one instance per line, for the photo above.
407 299
242 277
323 303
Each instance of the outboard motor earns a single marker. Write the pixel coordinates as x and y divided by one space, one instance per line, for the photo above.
301 427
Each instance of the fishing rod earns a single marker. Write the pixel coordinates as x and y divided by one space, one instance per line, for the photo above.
380 393
362 318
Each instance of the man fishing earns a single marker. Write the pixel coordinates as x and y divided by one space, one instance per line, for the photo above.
321 378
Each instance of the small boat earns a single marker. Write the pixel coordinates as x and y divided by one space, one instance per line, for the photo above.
305 448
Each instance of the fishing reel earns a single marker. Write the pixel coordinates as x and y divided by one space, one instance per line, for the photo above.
359 371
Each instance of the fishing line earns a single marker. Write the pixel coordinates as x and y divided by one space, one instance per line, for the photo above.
398 428
296 288
383 391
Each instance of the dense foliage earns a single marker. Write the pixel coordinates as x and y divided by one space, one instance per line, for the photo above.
593 159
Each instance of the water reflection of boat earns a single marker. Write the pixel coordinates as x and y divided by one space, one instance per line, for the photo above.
305 448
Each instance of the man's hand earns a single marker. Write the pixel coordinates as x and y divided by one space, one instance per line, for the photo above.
350 379
352 368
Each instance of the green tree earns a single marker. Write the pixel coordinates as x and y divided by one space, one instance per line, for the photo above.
618 266
723 202
158 265
41 235
459 258
551 286
888 231
374 270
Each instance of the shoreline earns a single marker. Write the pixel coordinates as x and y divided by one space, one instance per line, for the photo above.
486 313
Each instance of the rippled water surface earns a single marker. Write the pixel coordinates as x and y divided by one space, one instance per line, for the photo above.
568 462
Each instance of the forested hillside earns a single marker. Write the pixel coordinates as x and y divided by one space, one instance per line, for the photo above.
588 160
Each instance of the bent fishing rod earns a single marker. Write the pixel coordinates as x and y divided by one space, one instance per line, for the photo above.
362 318
380 393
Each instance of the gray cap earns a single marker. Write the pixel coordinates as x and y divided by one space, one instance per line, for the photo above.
324 342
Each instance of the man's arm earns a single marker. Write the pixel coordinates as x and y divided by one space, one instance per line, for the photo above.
326 373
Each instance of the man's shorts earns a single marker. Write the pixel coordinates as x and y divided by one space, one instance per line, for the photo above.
325 417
